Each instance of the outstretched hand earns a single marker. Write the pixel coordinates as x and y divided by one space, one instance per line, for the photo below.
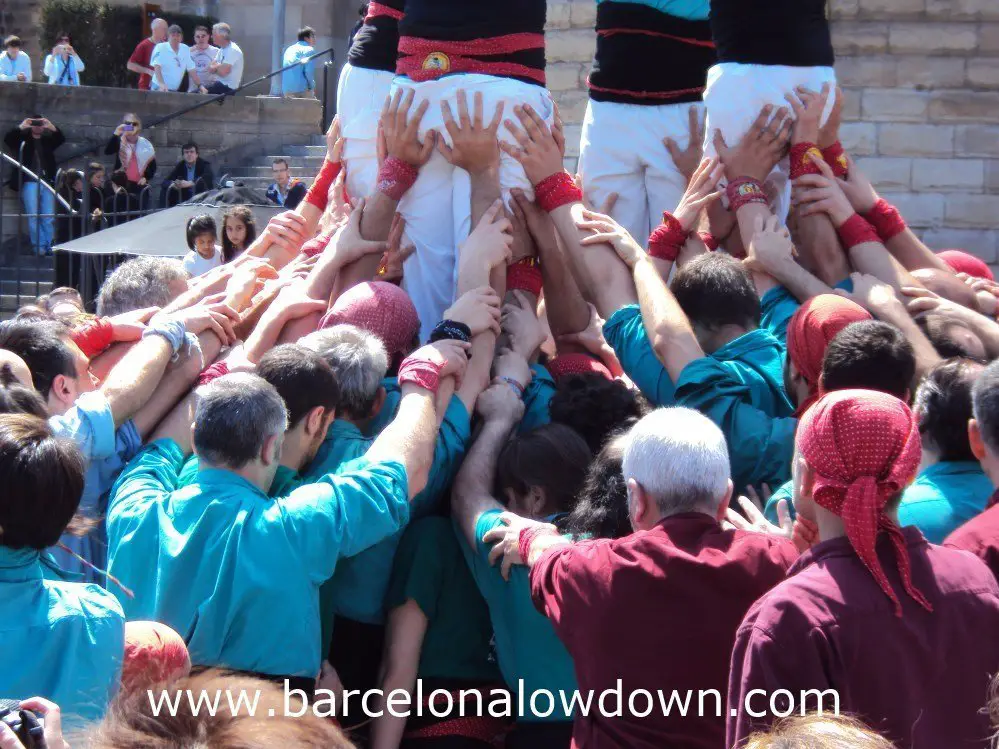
474 145
536 150
760 149
401 131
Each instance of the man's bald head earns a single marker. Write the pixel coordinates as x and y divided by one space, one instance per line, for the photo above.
159 28
18 367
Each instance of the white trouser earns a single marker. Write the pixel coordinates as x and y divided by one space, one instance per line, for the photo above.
734 96
438 208
622 151
360 95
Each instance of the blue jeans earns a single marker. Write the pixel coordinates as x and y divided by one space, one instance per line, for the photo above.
39 205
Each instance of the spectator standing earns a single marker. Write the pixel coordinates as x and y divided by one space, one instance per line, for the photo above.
170 60
139 62
203 54
191 175
63 66
285 191
228 63
300 81
135 154
15 65
34 143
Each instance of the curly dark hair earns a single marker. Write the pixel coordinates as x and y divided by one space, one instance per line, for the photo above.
602 508
595 407
943 405
552 457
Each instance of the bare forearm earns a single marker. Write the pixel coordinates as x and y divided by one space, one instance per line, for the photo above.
665 322
472 493
873 258
802 284
132 382
265 335
819 250
359 271
926 355
410 438
567 310
485 191
910 251
177 425
376 220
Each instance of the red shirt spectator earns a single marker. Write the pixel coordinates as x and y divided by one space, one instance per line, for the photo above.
143 53
657 610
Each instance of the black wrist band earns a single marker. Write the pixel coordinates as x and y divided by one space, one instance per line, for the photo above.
450 330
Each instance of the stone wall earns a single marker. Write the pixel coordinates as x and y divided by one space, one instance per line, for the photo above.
921 79
241 126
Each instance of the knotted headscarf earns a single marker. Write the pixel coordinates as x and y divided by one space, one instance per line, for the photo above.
810 332
564 365
864 447
154 654
380 308
963 262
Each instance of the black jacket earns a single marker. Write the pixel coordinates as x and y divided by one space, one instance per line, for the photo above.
38 154
204 176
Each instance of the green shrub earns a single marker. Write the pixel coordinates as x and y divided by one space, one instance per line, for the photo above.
105 35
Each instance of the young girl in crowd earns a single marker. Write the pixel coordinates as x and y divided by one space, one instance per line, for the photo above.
202 238
239 230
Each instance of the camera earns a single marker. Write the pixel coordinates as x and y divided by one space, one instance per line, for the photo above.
128 128
26 725
36 123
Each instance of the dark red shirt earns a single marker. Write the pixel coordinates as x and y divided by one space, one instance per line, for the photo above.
658 610
980 536
921 680
143 55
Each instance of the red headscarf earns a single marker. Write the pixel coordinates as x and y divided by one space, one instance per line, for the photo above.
864 447
154 654
963 262
810 331
572 364
380 308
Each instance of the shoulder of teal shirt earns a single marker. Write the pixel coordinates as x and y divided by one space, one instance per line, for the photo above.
150 475
777 307
526 644
943 497
342 514
691 10
785 492
625 332
760 443
537 398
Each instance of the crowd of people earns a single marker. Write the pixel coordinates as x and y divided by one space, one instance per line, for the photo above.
463 430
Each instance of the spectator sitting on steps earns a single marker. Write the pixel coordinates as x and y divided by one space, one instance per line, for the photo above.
191 175
285 191
203 54
134 153
228 64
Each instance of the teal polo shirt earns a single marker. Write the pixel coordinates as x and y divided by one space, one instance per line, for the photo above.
527 647
63 641
944 497
537 400
625 333
235 572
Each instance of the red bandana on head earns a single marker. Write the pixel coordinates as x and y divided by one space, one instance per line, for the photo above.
864 447
810 331
573 364
963 262
380 308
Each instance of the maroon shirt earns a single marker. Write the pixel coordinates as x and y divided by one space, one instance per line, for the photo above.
143 55
921 679
980 536
658 610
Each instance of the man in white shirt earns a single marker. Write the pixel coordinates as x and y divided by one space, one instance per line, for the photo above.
228 65
170 60
203 53
15 65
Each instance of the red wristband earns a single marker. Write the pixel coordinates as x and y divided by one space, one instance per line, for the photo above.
886 220
396 177
801 159
835 157
710 241
420 372
319 194
524 275
95 337
855 230
556 191
526 538
744 191
667 239
213 372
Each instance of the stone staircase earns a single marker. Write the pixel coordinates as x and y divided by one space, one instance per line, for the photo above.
304 162
22 279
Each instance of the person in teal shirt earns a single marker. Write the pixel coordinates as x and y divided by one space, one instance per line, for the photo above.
235 572
539 476
951 487
63 641
438 631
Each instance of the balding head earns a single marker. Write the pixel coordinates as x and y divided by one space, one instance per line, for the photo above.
159 28
18 367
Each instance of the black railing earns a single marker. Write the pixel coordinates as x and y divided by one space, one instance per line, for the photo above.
211 99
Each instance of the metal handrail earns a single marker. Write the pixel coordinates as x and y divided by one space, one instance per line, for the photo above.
40 180
212 98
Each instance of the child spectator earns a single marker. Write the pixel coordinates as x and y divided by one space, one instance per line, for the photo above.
205 254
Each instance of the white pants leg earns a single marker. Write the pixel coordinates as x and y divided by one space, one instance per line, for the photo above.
622 151
735 94
438 207
360 95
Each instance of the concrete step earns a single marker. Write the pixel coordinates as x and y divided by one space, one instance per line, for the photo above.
316 151
31 269
264 172
294 162
27 289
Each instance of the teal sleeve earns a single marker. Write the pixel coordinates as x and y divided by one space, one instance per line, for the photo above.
625 333
285 482
341 515
760 446
189 471
537 398
150 475
452 441
777 307
418 572
785 492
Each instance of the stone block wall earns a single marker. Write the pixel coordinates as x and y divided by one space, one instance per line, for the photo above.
921 80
